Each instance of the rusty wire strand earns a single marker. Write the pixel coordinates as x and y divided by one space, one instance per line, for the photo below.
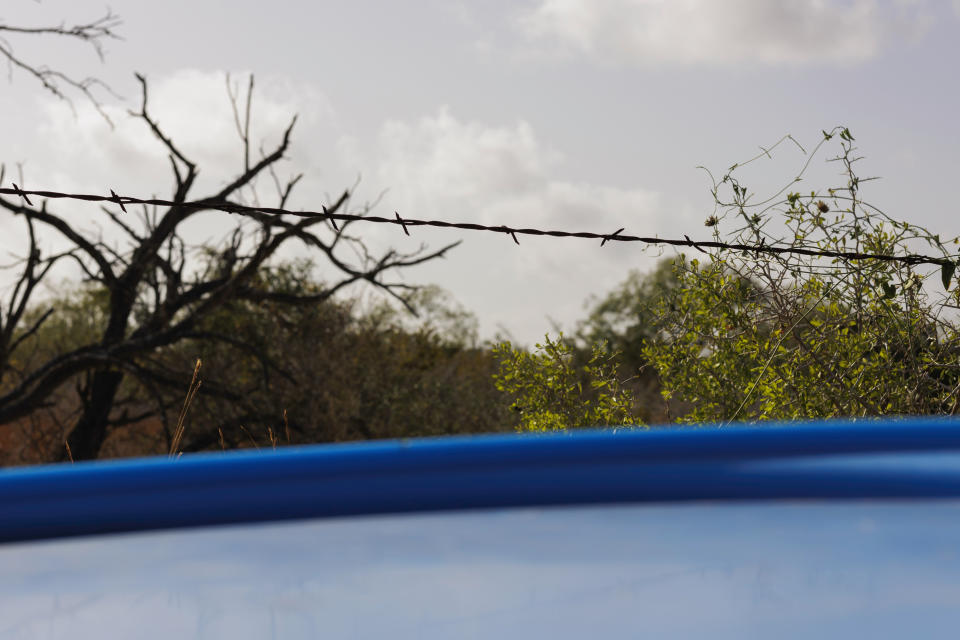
616 236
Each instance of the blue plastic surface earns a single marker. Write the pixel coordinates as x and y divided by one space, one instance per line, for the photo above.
789 570
909 458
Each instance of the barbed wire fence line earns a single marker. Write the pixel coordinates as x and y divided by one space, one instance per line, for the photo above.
948 261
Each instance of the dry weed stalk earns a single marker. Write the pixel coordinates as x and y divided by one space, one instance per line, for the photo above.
181 419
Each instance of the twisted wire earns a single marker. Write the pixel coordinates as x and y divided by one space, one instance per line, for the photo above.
513 232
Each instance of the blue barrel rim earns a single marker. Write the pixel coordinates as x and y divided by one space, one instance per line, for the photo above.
600 466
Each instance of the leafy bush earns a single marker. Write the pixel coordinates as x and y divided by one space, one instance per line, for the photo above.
550 393
755 335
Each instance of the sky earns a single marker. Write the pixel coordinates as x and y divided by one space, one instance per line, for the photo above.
877 569
567 114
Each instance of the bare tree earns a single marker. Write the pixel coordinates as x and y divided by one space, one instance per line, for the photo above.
61 84
158 288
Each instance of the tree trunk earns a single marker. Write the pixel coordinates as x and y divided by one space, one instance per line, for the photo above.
88 434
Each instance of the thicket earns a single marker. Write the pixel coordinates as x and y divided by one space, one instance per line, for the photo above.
344 369
752 335
788 336
713 337
104 367
549 390
147 292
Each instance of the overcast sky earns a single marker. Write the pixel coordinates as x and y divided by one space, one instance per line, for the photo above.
577 114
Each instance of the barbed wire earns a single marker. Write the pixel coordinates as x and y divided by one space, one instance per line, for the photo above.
513 232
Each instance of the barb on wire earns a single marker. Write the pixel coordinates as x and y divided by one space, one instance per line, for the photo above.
403 223
618 235
332 220
612 236
696 245
19 192
512 234
117 199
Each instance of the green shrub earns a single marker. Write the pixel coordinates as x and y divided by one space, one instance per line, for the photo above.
755 335
550 393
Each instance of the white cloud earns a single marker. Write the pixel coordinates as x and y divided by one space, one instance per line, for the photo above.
80 150
492 174
440 166
708 32
453 163
81 153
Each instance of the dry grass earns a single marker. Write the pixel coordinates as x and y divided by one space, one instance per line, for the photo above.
181 419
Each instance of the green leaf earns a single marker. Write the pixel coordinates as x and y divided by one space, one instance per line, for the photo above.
889 290
946 274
